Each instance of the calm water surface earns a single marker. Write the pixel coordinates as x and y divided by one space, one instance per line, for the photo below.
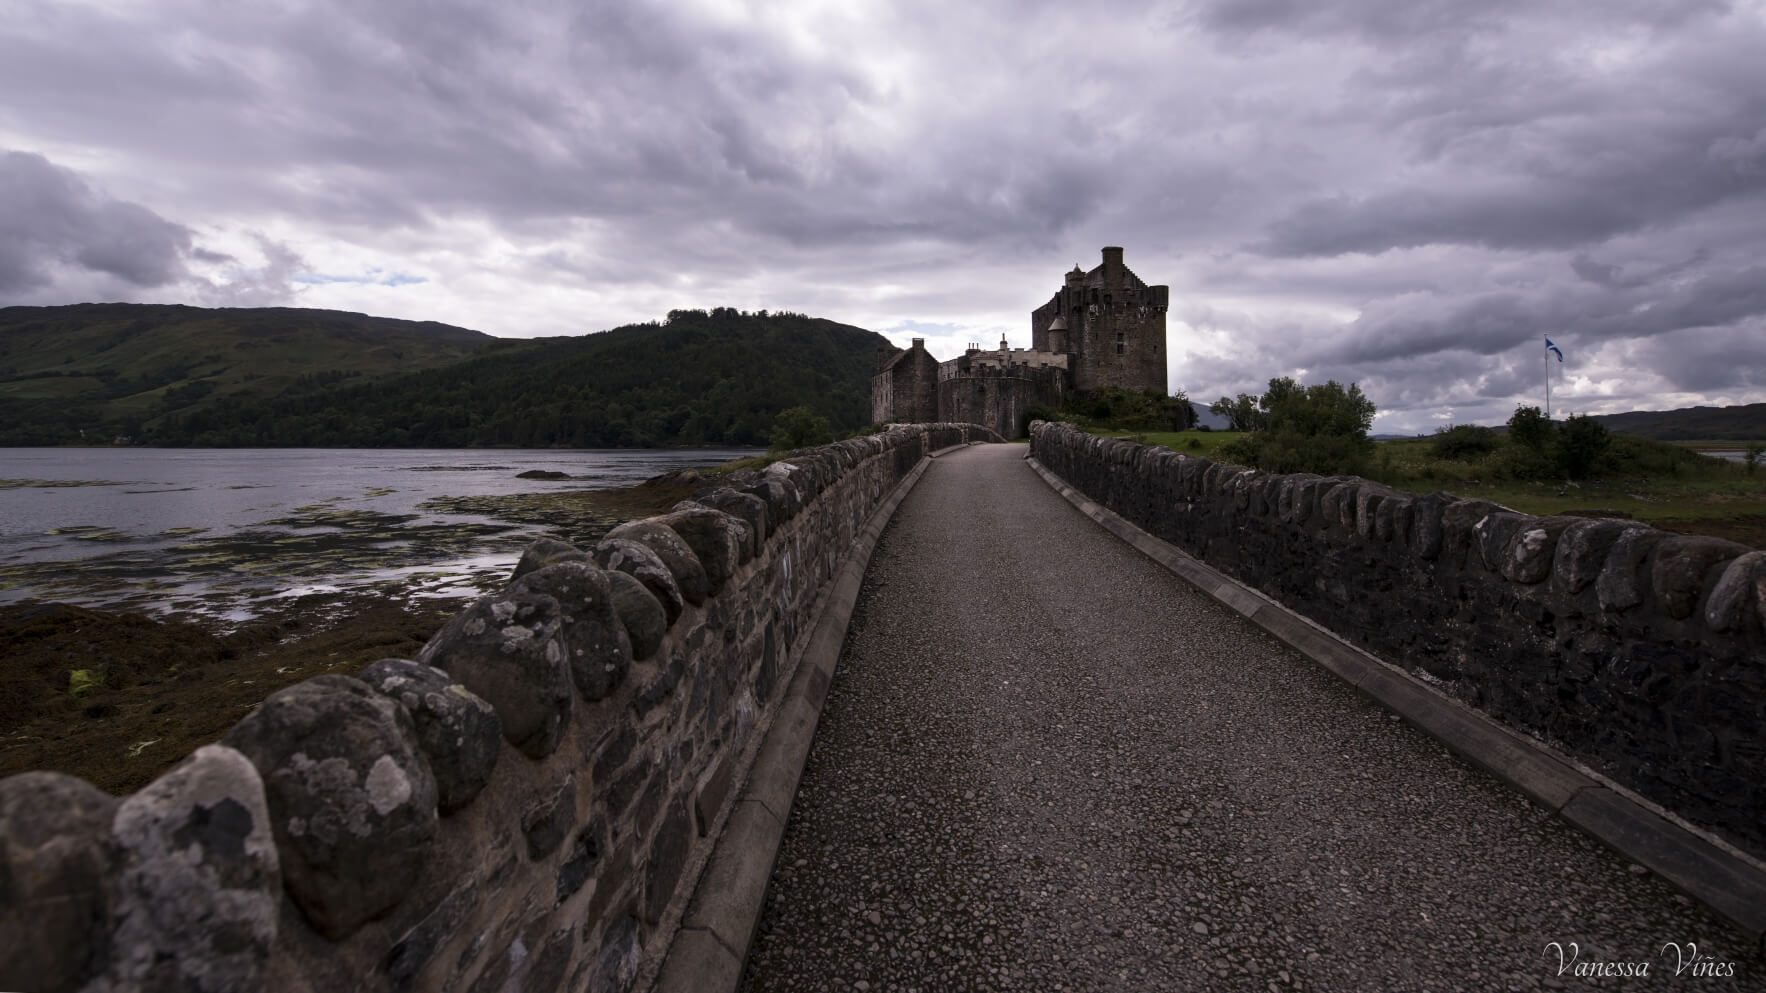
226 532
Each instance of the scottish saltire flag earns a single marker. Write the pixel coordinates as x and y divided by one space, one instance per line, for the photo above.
1553 349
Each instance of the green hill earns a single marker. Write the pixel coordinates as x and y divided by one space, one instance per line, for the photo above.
714 378
1740 423
124 369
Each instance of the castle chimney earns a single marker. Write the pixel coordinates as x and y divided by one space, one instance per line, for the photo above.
919 344
1112 258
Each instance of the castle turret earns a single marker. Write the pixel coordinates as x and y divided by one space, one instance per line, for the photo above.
1058 335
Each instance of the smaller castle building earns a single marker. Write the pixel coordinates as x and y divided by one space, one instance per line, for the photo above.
1102 328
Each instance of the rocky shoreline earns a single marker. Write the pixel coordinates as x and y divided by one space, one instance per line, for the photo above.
119 697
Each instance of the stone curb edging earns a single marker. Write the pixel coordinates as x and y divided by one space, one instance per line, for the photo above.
711 947
1723 879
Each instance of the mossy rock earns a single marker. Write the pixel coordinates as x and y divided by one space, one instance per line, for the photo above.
83 681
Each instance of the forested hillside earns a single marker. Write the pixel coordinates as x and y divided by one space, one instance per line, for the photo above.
712 378
700 379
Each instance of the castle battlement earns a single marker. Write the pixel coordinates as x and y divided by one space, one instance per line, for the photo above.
1003 362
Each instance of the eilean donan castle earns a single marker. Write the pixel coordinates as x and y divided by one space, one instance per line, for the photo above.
1102 328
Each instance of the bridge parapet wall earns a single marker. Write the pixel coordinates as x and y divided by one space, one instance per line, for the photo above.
1640 652
524 806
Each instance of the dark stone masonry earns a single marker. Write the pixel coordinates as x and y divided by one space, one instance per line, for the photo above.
1639 652
520 807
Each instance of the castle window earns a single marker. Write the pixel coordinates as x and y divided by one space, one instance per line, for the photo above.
1121 343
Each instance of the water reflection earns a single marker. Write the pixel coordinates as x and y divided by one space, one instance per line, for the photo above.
221 532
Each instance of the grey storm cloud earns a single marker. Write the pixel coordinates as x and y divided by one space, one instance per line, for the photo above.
1508 150
50 218
1407 23
1404 194
395 114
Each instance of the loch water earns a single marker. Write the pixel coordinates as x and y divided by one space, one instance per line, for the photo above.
228 532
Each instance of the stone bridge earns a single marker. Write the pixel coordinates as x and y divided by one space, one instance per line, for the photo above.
912 712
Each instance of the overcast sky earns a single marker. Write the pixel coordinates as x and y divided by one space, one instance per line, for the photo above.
1408 195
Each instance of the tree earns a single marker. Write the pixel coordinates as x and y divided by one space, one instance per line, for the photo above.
1321 428
1530 427
1176 410
1326 409
1752 458
1241 413
1281 393
799 427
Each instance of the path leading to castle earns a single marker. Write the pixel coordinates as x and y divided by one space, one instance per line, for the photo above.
1047 764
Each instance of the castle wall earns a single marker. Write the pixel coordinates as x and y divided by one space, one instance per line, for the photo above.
522 807
1635 650
998 397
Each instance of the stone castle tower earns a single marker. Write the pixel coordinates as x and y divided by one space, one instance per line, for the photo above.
1102 328
1111 323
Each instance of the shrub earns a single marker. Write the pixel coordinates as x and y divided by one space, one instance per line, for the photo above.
1520 462
1137 411
1036 412
1464 442
1580 445
1290 451
1239 451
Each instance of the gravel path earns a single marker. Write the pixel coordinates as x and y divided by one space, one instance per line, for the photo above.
1047 764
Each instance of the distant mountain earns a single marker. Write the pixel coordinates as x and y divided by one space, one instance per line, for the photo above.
1743 423
1211 421
318 378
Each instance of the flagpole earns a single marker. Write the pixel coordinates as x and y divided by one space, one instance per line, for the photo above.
1547 356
